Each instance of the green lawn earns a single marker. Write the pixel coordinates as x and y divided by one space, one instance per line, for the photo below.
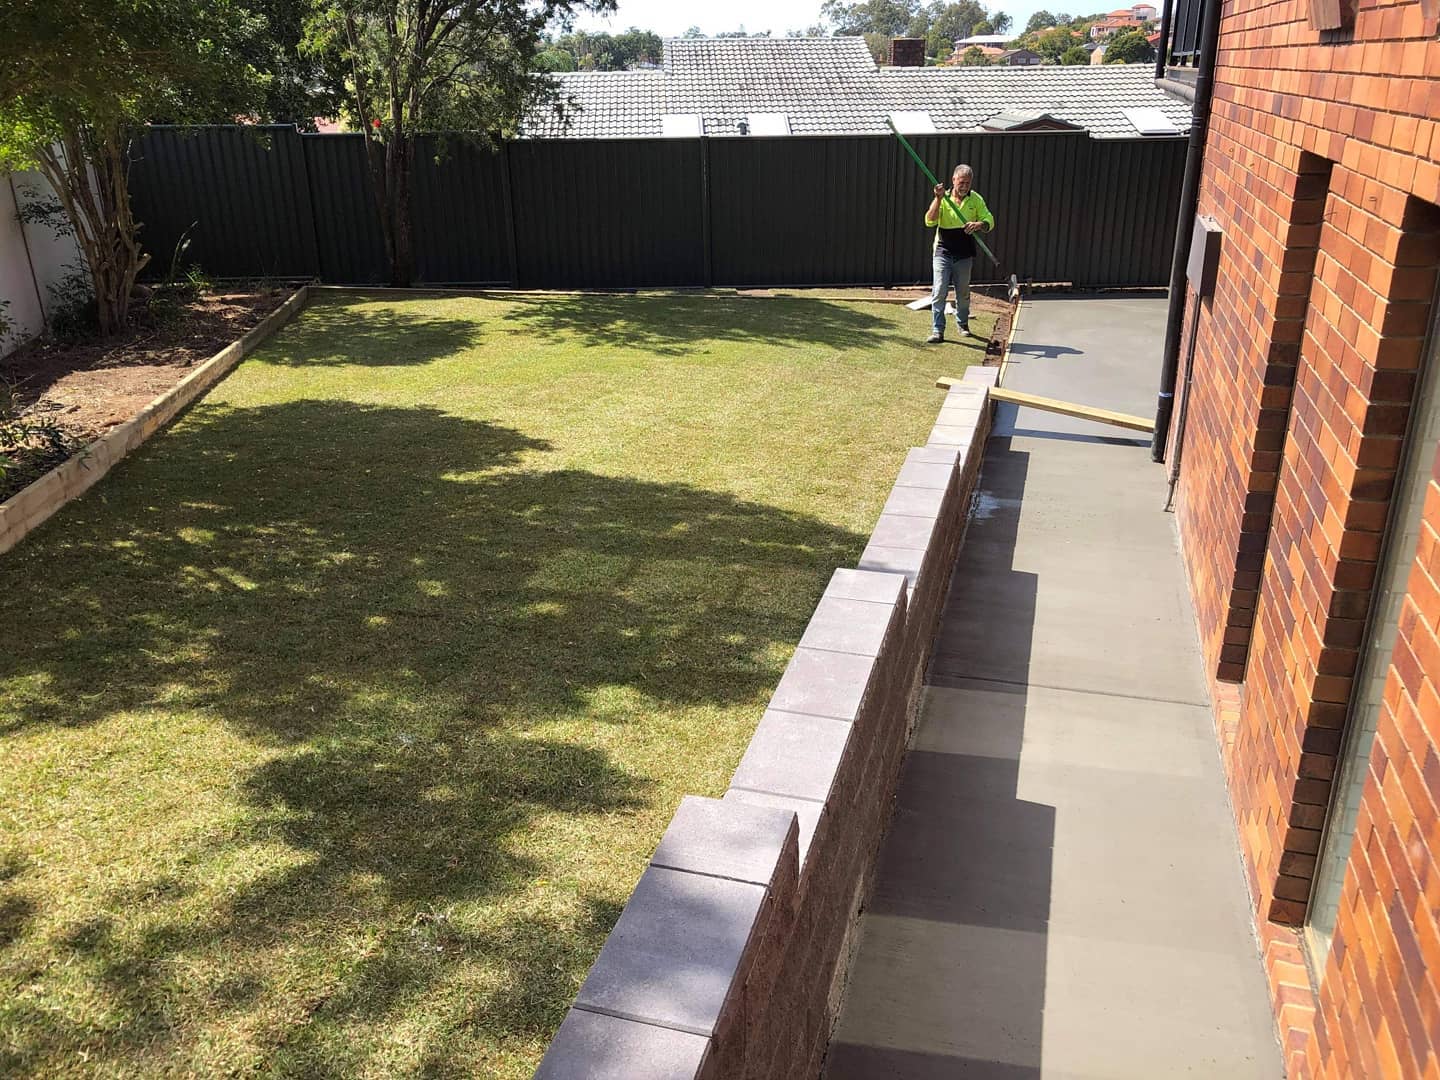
338 723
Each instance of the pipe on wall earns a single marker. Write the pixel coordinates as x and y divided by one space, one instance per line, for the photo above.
1189 200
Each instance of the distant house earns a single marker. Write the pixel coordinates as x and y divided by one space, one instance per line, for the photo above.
1145 12
1019 58
1113 24
777 87
992 41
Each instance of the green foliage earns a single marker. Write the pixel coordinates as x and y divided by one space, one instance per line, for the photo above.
602 52
1128 47
465 66
30 446
554 60
1041 20
74 314
973 57
1076 54
116 63
300 85
1053 44
941 24
78 76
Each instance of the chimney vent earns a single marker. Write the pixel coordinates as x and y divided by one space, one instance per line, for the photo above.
907 52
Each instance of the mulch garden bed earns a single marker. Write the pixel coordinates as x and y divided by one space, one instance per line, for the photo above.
85 388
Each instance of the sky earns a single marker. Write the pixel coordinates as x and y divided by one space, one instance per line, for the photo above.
669 19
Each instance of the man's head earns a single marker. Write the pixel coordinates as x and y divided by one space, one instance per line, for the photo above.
961 179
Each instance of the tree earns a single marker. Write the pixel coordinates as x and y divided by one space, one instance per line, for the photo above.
948 23
1052 44
1076 54
300 86
1041 20
452 65
554 59
891 18
1128 47
603 52
1000 23
78 77
973 57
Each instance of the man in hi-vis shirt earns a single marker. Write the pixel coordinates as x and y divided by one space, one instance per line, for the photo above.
955 248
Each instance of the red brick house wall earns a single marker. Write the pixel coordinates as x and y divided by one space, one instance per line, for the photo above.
1322 168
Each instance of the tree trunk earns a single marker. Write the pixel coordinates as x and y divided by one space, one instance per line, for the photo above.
377 156
402 268
90 173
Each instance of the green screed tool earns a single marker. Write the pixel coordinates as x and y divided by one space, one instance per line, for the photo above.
948 201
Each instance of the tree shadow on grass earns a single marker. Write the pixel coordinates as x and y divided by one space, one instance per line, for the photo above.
678 325
398 611
337 330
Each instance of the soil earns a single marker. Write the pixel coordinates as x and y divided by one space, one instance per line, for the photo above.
88 388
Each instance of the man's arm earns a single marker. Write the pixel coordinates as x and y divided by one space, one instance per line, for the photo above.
986 220
932 215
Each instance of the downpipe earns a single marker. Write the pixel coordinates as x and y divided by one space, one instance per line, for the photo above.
1184 222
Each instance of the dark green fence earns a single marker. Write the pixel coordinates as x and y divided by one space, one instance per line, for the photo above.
841 210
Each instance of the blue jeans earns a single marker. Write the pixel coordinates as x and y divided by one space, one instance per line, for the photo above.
950 271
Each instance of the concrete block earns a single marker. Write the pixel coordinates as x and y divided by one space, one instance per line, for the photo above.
793 755
891 560
848 584
957 437
731 840
677 951
925 474
931 455
899 531
968 391
807 812
915 502
984 376
593 1046
822 683
851 626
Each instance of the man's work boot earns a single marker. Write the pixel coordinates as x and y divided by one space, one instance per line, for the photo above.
934 339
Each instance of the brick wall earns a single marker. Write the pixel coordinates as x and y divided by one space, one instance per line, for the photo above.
1322 167
729 958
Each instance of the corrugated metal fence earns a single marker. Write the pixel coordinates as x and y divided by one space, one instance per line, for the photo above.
837 210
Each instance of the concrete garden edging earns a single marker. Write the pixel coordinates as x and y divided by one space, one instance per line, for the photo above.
36 503
730 957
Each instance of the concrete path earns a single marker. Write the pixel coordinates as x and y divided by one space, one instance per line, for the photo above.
1060 893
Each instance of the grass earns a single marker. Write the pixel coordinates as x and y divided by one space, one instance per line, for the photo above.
337 725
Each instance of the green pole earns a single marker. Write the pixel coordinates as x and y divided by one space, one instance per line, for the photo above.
931 177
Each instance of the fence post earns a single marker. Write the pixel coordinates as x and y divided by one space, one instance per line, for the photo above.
709 267
304 156
509 214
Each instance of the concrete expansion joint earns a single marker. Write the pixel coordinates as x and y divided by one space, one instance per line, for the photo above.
779 794
599 1010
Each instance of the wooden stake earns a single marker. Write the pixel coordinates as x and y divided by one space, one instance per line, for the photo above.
1064 408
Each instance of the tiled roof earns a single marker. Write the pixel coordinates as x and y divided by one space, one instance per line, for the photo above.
831 86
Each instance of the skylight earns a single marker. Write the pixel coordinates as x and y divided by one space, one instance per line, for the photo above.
916 122
769 123
680 126
1150 121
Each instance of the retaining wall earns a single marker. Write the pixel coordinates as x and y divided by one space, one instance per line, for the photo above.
729 959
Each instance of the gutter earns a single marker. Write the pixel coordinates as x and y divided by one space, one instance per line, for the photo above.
1189 200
